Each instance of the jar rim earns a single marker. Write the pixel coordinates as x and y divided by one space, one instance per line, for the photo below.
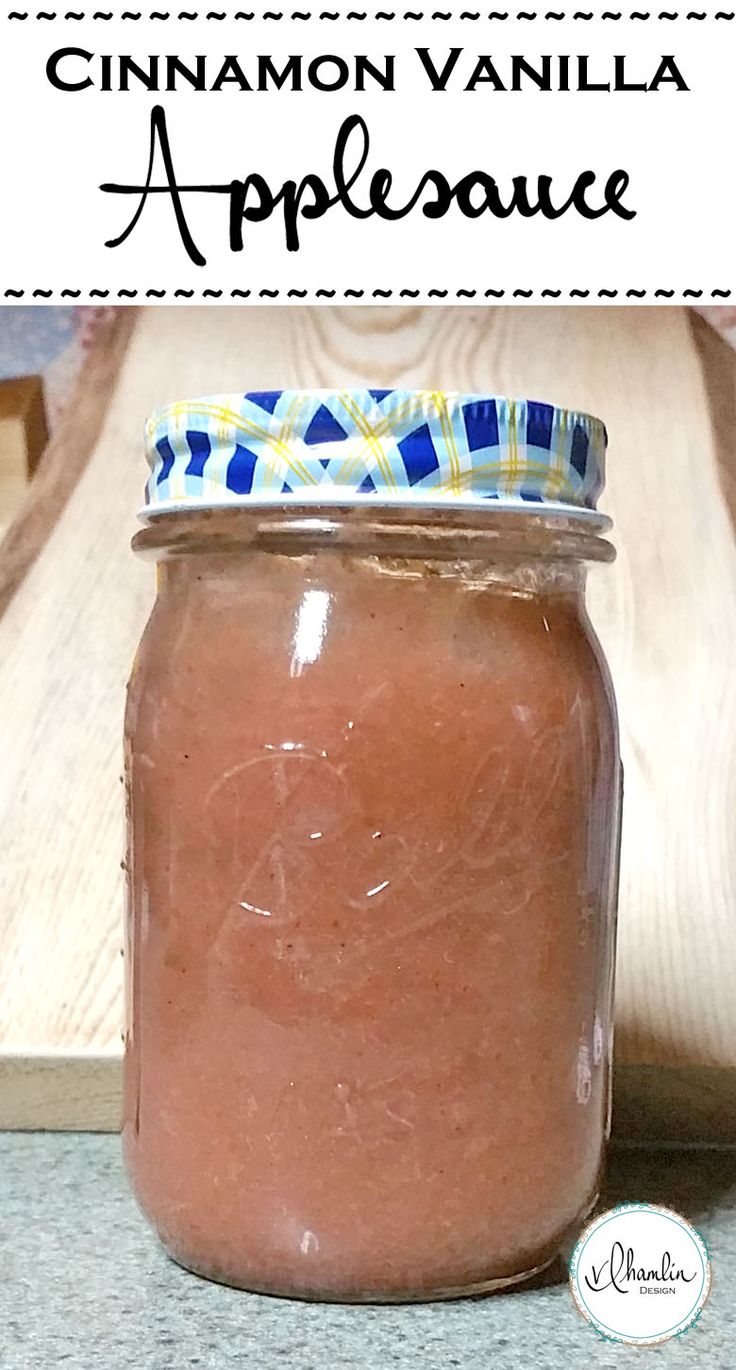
378 530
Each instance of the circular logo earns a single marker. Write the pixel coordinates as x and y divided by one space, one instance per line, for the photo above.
640 1274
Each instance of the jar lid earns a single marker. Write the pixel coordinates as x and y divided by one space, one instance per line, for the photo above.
429 448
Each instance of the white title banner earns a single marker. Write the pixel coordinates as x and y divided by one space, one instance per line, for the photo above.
341 155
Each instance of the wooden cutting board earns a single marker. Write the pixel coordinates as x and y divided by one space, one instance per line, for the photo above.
666 613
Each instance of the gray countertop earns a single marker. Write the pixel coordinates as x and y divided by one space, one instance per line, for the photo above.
84 1284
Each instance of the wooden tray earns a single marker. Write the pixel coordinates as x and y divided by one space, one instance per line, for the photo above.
76 601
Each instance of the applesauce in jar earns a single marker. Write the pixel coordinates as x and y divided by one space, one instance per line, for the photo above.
373 799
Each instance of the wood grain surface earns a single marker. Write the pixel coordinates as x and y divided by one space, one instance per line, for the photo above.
666 612
66 454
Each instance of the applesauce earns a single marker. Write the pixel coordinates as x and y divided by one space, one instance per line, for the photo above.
373 796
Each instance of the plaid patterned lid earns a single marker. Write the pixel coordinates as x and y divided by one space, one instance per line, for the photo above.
408 447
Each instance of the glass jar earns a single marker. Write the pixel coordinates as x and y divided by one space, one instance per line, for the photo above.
373 800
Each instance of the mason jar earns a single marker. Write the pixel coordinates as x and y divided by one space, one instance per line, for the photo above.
373 798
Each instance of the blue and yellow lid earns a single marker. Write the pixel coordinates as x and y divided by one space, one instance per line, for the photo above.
430 448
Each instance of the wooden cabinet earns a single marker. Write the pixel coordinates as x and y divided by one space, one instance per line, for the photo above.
23 438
